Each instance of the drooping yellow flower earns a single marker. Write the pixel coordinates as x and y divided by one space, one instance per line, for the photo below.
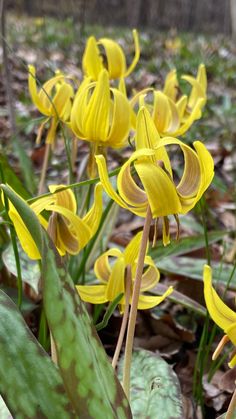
153 168
113 281
69 232
222 315
106 53
101 114
54 100
172 113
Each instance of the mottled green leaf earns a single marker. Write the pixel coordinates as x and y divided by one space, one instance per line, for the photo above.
155 389
184 245
29 268
30 383
88 376
193 268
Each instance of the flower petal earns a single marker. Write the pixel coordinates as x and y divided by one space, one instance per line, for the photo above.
93 217
132 250
114 55
121 120
33 91
146 301
160 189
222 315
23 234
171 85
95 294
92 61
98 110
116 283
151 276
102 267
65 199
136 55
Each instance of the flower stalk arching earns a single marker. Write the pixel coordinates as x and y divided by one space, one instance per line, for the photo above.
134 303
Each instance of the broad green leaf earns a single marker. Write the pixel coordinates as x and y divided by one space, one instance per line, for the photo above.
224 416
30 383
88 376
29 268
155 389
184 245
193 268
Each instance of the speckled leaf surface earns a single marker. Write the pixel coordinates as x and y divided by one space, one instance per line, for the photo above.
88 376
30 383
155 389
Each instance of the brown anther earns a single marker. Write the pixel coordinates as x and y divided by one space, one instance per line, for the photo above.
178 226
52 229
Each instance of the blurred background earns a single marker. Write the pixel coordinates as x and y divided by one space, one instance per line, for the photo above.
185 15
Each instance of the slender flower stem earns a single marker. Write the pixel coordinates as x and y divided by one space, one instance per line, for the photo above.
134 303
74 149
44 169
125 316
232 407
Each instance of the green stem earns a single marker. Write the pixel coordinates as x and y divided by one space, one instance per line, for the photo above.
134 303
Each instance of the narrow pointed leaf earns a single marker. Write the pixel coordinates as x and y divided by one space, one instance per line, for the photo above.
30 383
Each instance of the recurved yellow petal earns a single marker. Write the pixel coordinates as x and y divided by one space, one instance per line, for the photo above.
102 267
136 55
33 91
148 301
222 315
23 234
114 55
95 294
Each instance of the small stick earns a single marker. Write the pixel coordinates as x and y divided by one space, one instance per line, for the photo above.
125 316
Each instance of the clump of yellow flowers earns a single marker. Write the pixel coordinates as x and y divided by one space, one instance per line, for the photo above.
101 113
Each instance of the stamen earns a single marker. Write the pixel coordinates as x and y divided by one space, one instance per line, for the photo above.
220 347
155 232
178 226
166 231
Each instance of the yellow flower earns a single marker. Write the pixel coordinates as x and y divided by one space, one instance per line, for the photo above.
101 114
54 99
69 232
152 165
222 315
106 53
173 115
113 281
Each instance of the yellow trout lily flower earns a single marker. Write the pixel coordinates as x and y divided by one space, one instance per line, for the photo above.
69 232
106 53
113 281
222 315
54 100
101 114
153 168
173 115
